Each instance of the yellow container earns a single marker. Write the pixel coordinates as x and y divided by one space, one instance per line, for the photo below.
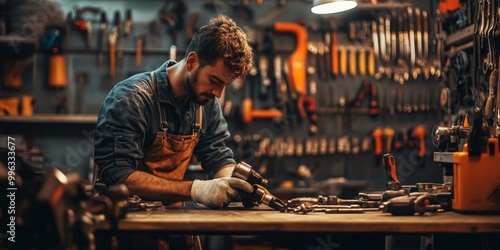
476 180
27 105
57 71
9 106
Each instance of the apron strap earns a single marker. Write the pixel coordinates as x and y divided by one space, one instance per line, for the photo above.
198 121
163 113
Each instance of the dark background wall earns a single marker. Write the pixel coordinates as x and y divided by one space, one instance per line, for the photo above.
68 145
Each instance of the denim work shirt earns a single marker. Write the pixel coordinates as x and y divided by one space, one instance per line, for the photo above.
129 120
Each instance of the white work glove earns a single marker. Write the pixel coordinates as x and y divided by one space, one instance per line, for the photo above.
218 193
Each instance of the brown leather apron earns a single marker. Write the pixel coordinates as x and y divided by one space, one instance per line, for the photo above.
168 157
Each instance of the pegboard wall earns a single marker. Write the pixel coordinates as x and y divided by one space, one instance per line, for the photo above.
288 149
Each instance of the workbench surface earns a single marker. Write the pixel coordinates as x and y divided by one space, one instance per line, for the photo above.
265 220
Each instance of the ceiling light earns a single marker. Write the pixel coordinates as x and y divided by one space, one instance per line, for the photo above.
332 6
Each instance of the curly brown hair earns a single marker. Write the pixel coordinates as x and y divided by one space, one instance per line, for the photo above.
222 38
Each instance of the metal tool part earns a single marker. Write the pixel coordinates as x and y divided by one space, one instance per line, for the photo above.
245 172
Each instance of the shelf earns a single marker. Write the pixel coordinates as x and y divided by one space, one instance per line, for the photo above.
51 119
461 36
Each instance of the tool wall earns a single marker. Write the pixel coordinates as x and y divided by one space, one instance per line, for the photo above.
327 97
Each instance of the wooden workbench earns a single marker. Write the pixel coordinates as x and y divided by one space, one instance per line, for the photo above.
265 220
298 228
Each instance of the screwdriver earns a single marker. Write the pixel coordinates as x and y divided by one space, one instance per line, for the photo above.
334 54
103 36
141 40
127 27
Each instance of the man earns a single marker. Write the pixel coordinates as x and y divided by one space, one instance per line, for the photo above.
151 123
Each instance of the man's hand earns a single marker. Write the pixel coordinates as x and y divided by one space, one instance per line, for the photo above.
218 193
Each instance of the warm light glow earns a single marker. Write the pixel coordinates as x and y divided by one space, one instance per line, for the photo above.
330 7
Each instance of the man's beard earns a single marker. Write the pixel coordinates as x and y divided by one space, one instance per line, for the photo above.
191 84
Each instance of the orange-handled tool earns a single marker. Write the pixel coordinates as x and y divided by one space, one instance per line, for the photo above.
296 61
335 54
419 133
389 135
343 60
377 139
138 50
390 173
112 53
248 113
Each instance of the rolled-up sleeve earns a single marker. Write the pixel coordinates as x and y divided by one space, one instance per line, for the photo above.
120 132
211 150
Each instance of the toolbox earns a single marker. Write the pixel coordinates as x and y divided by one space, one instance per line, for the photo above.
476 181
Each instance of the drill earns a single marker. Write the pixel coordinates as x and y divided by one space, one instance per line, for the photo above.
260 194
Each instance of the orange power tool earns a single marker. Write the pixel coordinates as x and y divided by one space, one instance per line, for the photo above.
296 62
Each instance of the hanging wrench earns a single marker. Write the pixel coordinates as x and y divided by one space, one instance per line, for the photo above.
381 32
492 20
426 36
425 52
485 13
419 34
401 37
375 40
387 22
406 34
438 41
394 42
412 36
